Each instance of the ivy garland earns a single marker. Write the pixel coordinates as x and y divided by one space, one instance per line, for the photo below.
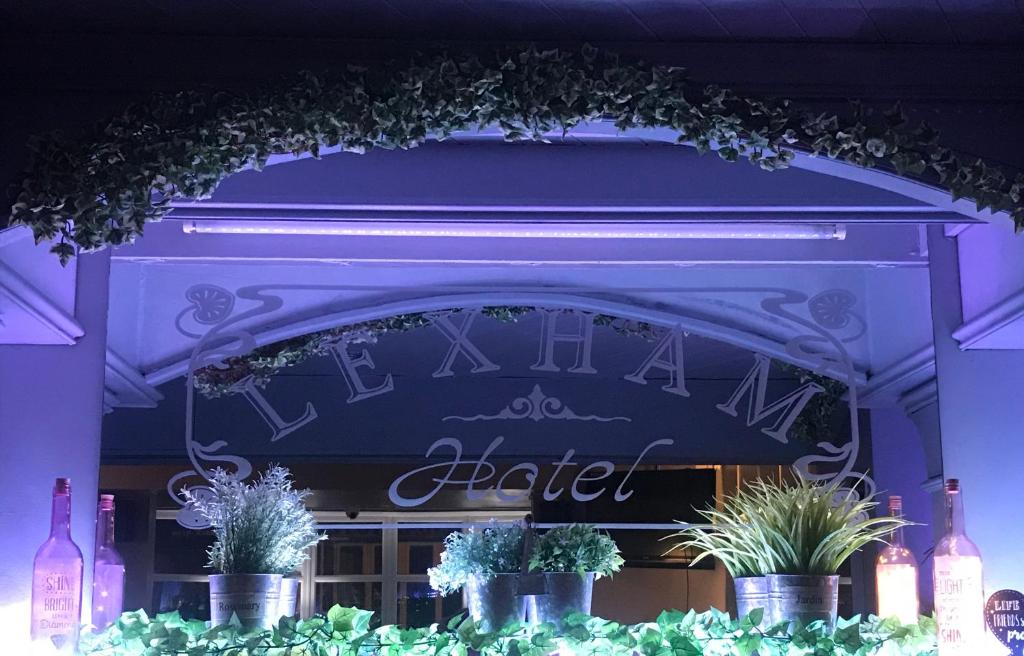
346 632
258 366
102 189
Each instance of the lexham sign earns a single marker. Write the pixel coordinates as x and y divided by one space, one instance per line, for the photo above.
562 333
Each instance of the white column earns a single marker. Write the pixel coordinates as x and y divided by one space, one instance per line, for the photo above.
981 414
51 411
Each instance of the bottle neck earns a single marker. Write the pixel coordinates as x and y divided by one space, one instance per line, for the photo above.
896 538
105 528
955 514
60 517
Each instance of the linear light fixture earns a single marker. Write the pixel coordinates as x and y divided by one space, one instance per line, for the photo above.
520 230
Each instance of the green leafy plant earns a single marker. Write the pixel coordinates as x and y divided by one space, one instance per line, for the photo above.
102 189
262 527
577 548
800 527
739 543
346 632
478 551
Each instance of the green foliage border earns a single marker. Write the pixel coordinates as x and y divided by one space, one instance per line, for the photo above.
102 188
347 632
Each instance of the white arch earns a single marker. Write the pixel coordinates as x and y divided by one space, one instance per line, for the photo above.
904 186
705 327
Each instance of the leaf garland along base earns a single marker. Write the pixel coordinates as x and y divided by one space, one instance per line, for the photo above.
102 189
347 632
812 425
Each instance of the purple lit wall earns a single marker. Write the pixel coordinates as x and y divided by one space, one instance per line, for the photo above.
899 468
981 414
51 405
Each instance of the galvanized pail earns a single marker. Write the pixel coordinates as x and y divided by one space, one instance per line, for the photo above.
289 604
567 593
493 602
254 598
751 593
803 598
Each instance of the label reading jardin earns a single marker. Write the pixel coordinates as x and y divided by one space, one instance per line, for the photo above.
1004 614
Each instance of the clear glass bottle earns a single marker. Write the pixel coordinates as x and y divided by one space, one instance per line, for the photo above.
959 594
108 570
896 574
57 581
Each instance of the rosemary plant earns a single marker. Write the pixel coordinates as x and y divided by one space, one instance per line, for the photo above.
480 551
262 527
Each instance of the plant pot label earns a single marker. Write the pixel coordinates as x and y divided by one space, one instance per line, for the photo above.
1004 614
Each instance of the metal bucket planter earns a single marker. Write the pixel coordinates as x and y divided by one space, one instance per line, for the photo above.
751 593
493 602
567 593
803 598
254 598
289 604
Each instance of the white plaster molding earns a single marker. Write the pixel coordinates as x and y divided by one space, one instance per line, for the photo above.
13 234
561 213
937 198
920 397
956 229
909 382
34 303
990 321
125 387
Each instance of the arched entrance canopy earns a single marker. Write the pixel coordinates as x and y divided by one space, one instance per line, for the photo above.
928 199
91 195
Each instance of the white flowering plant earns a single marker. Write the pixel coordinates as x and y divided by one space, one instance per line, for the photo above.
579 548
261 527
479 551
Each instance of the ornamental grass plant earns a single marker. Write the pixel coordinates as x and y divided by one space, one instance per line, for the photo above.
479 551
261 527
802 527
579 548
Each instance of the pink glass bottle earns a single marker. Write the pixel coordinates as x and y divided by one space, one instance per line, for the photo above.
896 574
108 570
959 595
57 580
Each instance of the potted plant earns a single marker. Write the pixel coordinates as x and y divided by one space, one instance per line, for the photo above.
485 562
262 532
738 543
571 558
798 535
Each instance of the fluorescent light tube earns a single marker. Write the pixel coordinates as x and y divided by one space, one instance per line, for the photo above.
547 230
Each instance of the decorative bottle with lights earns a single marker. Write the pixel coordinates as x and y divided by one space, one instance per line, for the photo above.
57 581
896 574
959 596
108 570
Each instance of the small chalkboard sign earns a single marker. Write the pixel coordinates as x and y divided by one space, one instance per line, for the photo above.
1004 614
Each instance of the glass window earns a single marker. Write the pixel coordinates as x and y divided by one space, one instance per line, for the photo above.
420 605
419 549
345 552
365 595
190 598
380 569
180 550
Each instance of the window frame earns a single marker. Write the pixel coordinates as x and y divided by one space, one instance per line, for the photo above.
388 523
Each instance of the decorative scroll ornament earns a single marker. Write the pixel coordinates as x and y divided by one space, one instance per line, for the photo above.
209 305
537 406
